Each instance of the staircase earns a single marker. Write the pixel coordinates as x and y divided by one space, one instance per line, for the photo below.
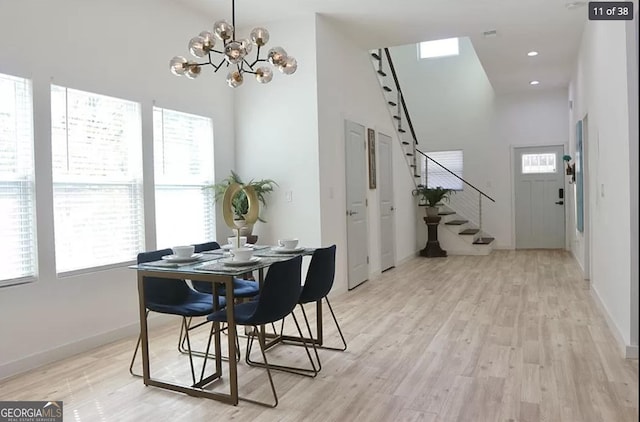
460 231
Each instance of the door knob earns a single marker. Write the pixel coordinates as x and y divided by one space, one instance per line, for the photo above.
351 212
392 208
559 202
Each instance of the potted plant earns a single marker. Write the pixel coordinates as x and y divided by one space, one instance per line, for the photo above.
431 197
240 203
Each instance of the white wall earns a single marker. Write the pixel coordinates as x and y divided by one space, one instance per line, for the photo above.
533 118
599 89
118 48
277 137
348 89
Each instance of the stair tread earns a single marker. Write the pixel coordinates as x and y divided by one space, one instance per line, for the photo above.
456 222
405 143
446 213
483 240
375 56
380 72
469 231
402 131
386 88
391 103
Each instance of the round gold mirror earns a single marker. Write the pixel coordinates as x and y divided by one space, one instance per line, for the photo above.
227 205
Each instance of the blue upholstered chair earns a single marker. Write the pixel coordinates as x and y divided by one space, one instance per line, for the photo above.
241 288
279 295
175 297
317 285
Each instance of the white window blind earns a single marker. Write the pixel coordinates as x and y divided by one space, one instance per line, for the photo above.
97 179
17 187
183 154
434 175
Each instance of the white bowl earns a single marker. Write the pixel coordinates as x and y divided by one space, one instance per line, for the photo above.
288 243
183 251
242 254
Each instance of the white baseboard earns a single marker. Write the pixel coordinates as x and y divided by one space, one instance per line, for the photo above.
627 351
41 358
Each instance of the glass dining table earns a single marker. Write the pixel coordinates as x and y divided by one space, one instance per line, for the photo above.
214 267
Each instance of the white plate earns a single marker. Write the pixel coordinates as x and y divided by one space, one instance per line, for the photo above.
175 258
282 249
235 263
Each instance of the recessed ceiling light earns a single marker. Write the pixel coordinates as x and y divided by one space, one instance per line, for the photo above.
534 82
490 34
532 53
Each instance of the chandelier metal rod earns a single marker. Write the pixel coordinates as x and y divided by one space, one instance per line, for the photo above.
233 17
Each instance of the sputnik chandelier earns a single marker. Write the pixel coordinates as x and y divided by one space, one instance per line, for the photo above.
235 54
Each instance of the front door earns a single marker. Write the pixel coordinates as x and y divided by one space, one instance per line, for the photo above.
385 194
539 197
356 212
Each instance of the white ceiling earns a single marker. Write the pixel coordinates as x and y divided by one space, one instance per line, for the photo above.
547 26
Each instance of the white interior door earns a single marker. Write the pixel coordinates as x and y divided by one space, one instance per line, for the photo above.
539 197
356 180
385 195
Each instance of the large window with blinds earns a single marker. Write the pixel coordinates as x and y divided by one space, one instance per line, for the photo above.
17 188
97 179
183 155
434 175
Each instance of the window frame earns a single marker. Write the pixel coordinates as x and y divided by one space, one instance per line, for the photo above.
165 183
134 157
424 170
28 177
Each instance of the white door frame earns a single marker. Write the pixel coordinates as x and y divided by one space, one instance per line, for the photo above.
382 204
357 221
512 154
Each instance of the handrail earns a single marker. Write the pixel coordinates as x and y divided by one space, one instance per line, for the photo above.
404 105
413 133
464 181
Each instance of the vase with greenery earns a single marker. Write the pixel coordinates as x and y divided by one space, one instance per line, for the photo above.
431 197
240 203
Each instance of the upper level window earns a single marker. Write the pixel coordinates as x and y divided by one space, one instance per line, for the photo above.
538 163
439 48
97 179
17 186
183 154
434 175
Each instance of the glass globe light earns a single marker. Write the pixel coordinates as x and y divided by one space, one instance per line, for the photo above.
246 45
209 40
196 47
276 56
234 53
259 36
193 70
178 65
264 75
289 66
223 30
234 79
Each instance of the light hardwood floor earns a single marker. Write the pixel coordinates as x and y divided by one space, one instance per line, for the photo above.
513 336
